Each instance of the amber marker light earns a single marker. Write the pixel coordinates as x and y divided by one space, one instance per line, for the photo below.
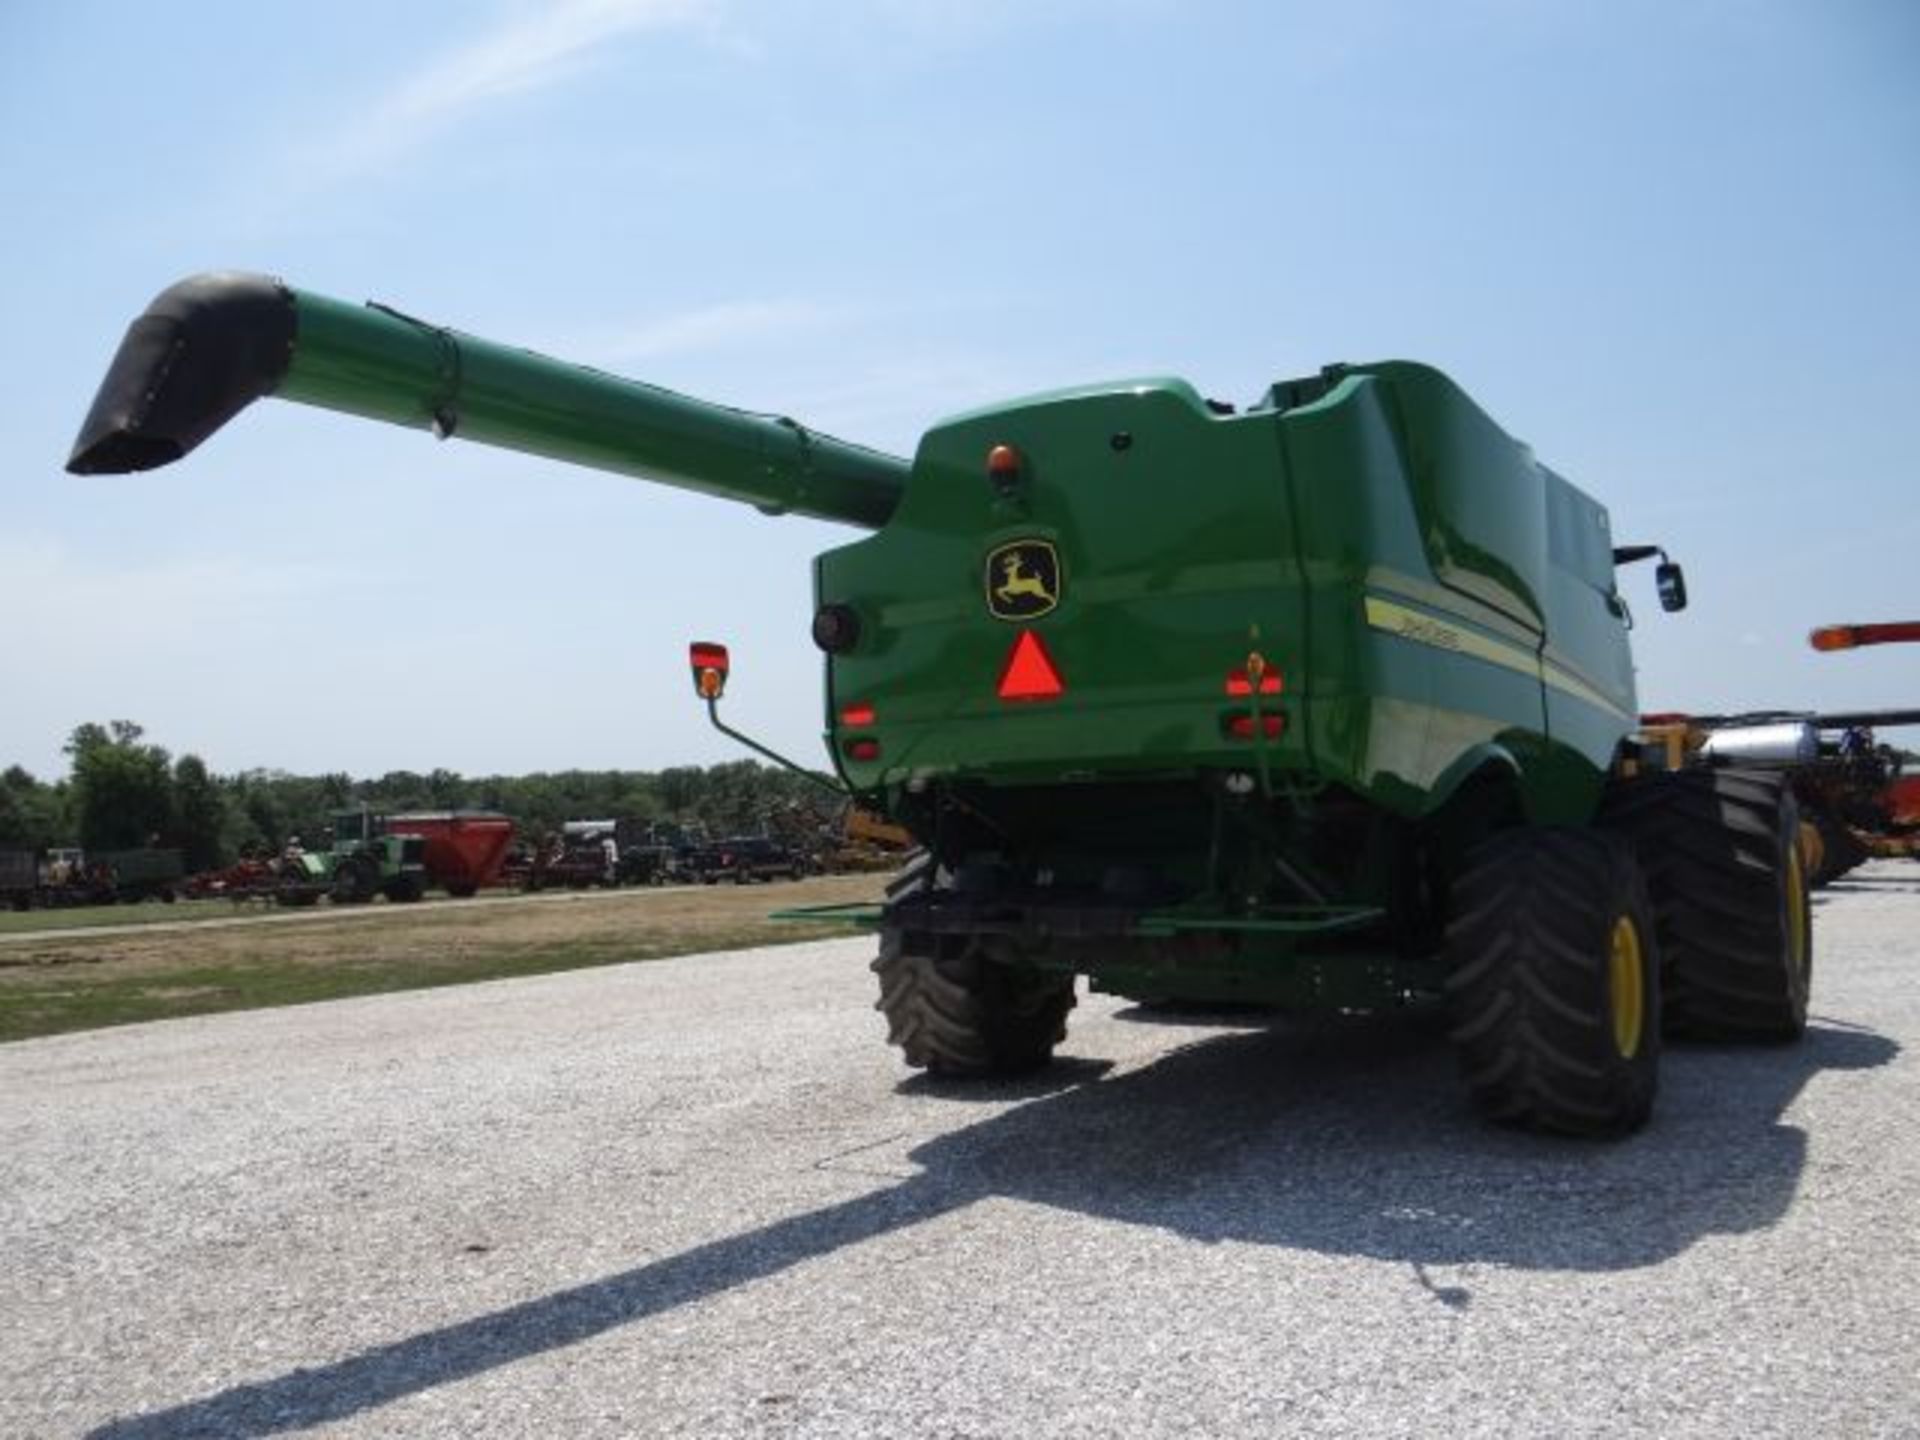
709 664
1850 637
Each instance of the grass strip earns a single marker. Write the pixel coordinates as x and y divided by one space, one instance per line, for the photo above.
65 1001
151 912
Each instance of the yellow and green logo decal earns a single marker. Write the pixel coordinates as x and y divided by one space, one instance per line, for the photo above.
1023 580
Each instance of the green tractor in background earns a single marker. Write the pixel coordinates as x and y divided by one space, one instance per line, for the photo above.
1325 704
365 860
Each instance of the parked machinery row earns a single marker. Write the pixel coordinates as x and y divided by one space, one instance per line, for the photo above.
588 854
67 876
362 854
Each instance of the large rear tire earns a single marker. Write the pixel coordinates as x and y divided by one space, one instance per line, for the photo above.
1726 873
1553 982
355 881
956 1005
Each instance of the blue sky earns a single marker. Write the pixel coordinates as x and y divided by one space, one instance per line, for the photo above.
1671 245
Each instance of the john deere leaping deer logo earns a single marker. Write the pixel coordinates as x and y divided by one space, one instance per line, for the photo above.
1023 580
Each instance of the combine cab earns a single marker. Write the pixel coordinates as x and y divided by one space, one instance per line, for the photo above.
1324 703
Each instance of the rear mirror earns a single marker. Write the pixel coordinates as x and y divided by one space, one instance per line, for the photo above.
709 663
1667 578
1672 585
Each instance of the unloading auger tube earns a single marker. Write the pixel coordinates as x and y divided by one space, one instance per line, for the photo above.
212 344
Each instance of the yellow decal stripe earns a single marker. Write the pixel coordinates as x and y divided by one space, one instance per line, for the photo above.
1573 685
1425 629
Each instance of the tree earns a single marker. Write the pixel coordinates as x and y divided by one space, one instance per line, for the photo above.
199 815
123 793
31 814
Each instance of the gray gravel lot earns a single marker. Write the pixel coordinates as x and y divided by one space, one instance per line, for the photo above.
699 1197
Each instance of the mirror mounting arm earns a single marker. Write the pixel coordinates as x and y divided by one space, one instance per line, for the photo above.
713 714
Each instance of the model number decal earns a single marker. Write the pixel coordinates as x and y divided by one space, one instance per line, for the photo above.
1421 629
1427 632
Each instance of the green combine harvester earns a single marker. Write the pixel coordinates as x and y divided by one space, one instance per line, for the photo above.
1324 704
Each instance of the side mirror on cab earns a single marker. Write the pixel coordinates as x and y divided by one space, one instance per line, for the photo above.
1668 578
1671 582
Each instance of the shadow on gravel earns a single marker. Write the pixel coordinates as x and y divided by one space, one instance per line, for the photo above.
1908 884
1349 1139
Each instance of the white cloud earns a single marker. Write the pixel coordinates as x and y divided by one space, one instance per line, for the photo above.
538 46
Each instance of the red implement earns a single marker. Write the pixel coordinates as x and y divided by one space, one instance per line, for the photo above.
465 848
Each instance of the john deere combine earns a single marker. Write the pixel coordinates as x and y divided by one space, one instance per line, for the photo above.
1326 703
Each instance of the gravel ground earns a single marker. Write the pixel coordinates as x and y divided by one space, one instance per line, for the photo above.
699 1197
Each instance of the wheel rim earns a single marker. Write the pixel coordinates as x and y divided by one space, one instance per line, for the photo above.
1626 987
1797 927
1812 849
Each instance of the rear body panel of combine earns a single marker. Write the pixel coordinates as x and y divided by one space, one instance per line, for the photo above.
1430 608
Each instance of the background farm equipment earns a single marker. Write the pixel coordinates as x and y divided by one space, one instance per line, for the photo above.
649 864
249 878
464 850
1877 809
142 874
742 859
1853 803
66 877
303 878
368 859
863 841
585 855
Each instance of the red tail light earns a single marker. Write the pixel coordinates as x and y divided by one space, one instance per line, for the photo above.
1239 684
1239 726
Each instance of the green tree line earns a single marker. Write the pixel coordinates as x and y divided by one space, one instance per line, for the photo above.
122 792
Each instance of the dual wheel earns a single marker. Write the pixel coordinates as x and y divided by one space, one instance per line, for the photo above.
1572 951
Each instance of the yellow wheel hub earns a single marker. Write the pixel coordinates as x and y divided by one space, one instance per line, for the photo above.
1626 987
1812 848
1796 913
